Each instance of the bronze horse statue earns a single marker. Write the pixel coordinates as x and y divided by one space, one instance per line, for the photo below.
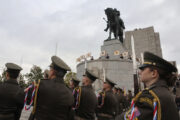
114 23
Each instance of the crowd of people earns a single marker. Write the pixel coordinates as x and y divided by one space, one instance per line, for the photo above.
53 100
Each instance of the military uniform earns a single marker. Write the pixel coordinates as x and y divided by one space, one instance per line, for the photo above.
110 107
11 96
87 100
156 101
129 97
121 100
54 99
88 103
107 104
145 99
118 100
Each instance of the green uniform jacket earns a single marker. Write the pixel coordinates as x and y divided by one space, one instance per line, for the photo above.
110 105
144 102
88 103
11 100
54 100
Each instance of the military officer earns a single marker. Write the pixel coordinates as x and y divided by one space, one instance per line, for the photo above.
107 102
54 99
11 95
74 83
86 102
156 101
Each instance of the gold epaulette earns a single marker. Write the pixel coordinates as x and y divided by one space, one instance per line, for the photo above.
156 99
79 96
102 94
149 101
137 96
35 97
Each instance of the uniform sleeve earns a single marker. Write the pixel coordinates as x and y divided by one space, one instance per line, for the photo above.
20 103
144 108
141 110
117 106
20 98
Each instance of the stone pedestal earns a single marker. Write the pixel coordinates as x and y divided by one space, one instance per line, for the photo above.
120 71
112 46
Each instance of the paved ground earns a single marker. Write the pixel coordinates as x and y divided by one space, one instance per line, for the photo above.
25 114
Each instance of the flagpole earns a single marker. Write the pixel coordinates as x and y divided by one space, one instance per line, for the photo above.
136 88
142 58
85 63
142 61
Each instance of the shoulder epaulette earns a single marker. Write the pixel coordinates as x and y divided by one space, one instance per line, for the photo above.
101 97
77 96
155 103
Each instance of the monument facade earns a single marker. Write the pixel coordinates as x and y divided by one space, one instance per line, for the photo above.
145 39
115 57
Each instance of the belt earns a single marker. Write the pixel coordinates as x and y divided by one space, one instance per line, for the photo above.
105 115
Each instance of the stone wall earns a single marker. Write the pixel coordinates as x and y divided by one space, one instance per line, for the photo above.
145 40
120 71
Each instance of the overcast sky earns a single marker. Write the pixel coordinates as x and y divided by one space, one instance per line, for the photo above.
30 29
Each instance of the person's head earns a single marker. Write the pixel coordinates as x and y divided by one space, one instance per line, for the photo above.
115 90
71 84
88 78
86 81
58 68
148 76
46 72
12 71
74 83
155 68
119 91
108 84
129 92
